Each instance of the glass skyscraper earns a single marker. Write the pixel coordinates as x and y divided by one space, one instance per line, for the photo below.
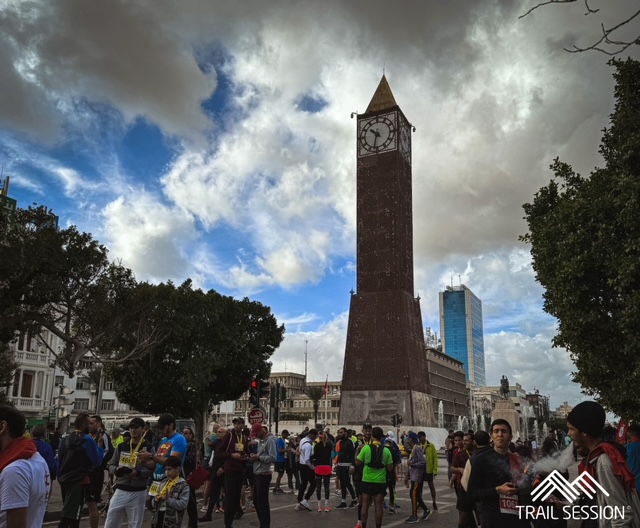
461 330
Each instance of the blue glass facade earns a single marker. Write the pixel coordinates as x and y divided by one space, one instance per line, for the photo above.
462 331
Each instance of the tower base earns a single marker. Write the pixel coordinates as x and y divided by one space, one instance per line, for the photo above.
378 407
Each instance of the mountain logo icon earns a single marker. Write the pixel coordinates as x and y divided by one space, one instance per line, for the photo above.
584 484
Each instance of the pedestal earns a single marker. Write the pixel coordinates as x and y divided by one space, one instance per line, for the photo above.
506 410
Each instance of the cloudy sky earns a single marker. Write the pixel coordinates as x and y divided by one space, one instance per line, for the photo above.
212 140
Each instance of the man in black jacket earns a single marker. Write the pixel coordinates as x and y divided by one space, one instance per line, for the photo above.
78 455
131 479
94 493
495 479
346 462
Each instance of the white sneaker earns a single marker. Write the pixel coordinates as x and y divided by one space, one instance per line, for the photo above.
305 504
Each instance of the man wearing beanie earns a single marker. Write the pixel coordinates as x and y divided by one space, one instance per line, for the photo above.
604 463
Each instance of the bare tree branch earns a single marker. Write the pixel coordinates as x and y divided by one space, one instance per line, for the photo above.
622 44
607 33
544 4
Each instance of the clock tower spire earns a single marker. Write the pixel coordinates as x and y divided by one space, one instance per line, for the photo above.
385 367
383 98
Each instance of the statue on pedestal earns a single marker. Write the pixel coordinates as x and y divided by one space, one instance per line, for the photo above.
504 387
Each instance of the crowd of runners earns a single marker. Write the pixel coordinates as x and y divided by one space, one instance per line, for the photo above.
239 467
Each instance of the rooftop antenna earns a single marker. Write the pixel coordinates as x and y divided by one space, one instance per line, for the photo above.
459 280
451 281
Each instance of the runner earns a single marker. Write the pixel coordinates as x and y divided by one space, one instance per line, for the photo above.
25 483
377 461
131 479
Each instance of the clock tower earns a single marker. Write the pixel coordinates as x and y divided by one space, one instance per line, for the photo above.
385 365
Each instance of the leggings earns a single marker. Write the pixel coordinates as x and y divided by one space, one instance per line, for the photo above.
391 483
326 480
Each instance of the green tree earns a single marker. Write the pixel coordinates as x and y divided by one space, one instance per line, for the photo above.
213 348
61 280
8 368
315 393
585 243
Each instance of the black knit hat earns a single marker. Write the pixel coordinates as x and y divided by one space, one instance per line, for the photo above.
588 417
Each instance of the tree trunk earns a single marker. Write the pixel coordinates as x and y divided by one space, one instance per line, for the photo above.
201 419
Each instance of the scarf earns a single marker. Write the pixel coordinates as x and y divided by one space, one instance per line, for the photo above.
19 449
618 463
167 488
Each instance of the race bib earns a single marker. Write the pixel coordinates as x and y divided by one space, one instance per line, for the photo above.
128 459
154 488
509 504
239 446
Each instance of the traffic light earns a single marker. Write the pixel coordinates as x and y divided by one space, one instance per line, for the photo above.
283 393
264 388
393 420
254 394
398 419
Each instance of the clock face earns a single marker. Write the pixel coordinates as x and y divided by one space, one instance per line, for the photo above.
377 134
405 141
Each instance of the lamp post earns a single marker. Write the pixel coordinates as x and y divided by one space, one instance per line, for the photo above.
58 400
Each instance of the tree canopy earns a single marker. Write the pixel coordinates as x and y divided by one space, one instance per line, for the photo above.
214 346
61 280
585 243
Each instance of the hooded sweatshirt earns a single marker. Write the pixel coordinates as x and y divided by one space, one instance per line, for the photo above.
267 453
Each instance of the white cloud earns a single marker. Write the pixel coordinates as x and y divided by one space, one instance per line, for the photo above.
324 348
120 54
533 363
149 237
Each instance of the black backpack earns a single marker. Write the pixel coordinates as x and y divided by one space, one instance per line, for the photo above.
376 456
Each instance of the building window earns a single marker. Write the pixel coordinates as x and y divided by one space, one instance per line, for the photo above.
27 383
59 380
81 404
108 385
83 383
107 405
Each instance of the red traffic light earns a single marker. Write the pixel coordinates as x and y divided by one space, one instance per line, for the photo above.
254 384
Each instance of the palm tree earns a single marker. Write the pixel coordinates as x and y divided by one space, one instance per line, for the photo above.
316 394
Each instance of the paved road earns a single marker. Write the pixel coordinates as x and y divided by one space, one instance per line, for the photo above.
283 514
